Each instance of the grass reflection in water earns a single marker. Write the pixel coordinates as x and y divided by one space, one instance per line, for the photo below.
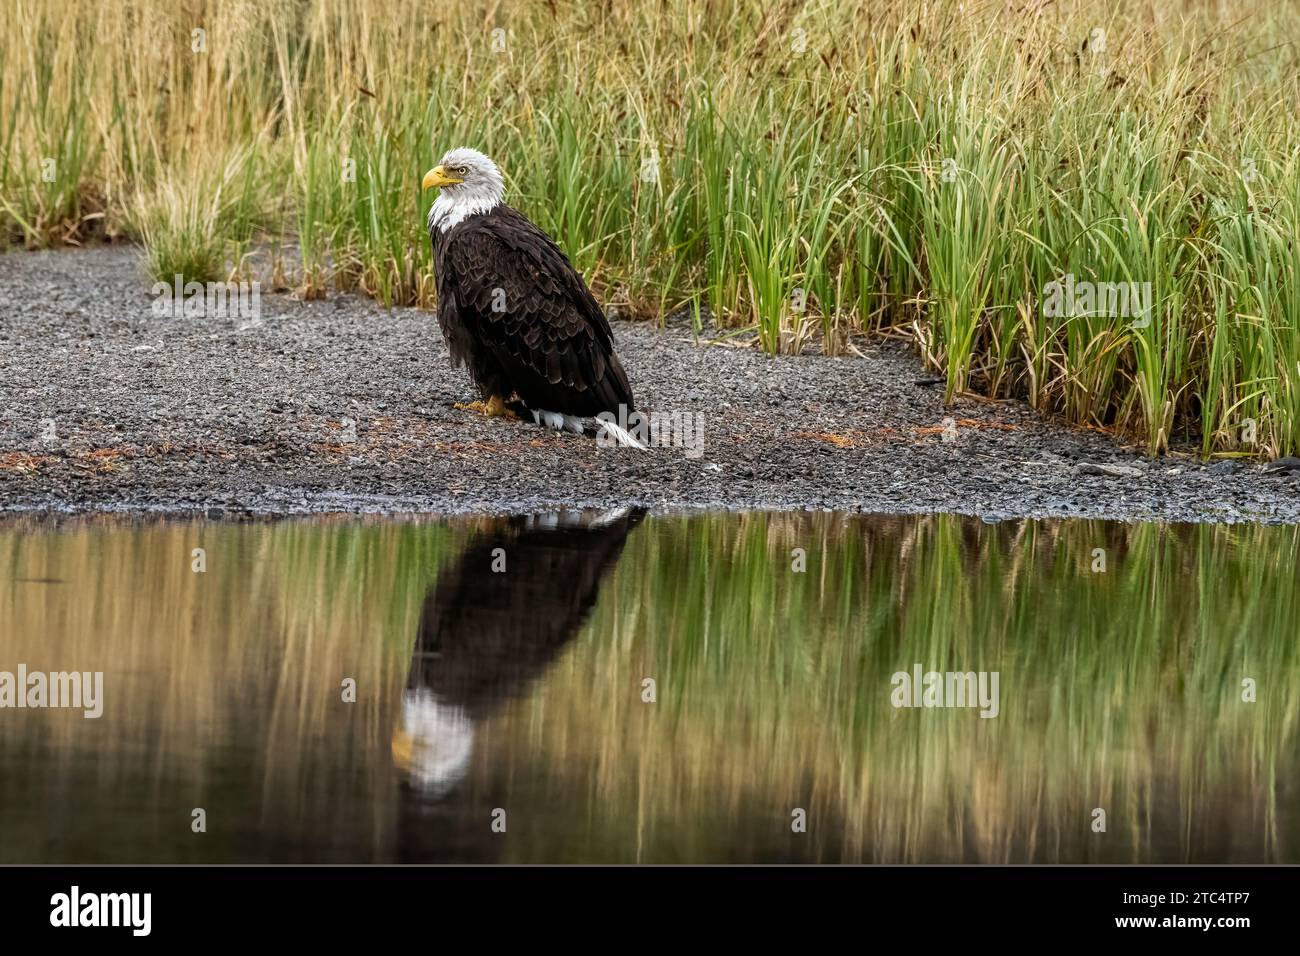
524 690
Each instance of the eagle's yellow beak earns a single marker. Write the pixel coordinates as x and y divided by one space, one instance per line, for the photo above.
438 176
402 749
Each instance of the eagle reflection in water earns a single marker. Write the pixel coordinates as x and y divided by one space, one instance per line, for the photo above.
486 635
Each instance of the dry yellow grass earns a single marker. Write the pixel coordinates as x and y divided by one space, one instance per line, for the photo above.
802 169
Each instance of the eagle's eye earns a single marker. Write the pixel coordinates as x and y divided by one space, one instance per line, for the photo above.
460 170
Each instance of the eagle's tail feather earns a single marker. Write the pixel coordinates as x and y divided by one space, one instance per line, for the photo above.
619 434
572 423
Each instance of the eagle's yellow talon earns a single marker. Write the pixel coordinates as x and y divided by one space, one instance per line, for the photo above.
494 407
497 408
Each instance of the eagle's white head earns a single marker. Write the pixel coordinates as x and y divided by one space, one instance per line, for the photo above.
434 743
470 184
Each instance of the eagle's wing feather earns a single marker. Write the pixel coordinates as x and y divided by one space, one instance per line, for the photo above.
520 296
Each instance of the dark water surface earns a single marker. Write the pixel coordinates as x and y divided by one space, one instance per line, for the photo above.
655 689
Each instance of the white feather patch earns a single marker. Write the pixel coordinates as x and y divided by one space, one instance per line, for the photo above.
574 518
448 210
442 741
558 421
608 517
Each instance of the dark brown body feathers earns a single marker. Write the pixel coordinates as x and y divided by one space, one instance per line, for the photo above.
514 310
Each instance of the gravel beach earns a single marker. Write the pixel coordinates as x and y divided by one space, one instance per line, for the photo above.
338 405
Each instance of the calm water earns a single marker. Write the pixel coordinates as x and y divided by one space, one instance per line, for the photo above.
656 689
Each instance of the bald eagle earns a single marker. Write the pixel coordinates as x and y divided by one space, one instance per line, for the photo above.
484 638
515 311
